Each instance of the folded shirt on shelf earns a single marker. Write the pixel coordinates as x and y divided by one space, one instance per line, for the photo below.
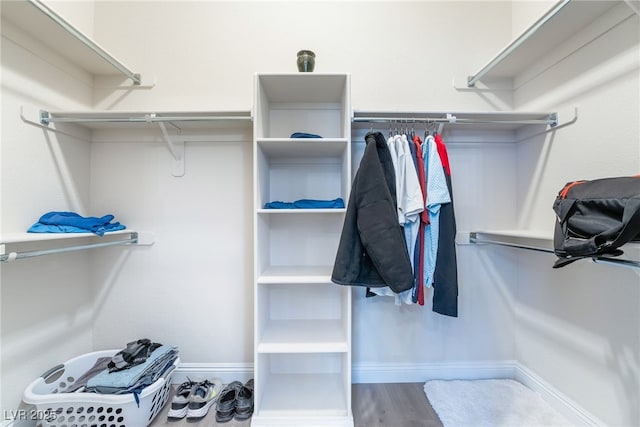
71 222
304 135
306 204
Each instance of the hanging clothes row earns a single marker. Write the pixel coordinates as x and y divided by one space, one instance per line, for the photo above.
401 213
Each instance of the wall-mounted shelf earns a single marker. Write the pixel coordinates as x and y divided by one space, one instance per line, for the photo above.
45 25
174 128
16 246
540 242
563 20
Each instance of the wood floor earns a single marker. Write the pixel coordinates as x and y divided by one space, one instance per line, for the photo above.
373 405
392 405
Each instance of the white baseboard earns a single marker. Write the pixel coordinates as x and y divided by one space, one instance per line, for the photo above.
227 372
363 373
558 400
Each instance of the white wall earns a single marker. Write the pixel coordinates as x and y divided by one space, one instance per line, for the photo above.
46 303
202 55
193 288
80 14
526 13
578 327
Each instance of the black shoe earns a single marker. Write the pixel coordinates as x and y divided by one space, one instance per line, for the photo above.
244 402
227 402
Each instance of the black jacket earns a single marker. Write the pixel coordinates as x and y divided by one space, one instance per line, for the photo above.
372 250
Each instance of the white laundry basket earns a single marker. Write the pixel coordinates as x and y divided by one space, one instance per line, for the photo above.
55 408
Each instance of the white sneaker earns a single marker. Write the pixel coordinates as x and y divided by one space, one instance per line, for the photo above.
180 400
203 396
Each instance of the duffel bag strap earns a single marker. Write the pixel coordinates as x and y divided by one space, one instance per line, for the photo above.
631 221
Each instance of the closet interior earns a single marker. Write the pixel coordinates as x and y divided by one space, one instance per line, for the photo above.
311 339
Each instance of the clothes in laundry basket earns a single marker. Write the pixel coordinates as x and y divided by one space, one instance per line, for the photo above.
136 377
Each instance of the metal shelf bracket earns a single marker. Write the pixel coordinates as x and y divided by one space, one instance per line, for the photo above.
175 147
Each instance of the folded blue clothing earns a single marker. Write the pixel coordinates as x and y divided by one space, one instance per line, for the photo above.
71 222
44 228
304 135
306 204
142 375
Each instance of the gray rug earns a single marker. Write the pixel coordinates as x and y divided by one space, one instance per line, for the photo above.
490 403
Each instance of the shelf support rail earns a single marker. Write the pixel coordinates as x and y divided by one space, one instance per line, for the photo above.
474 238
49 13
12 256
472 80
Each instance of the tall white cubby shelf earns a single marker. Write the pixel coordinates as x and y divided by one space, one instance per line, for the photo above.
302 320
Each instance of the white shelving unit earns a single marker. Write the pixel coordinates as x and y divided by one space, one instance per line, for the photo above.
562 21
302 320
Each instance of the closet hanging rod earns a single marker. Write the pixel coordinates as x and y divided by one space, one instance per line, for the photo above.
46 118
473 238
12 256
551 121
49 13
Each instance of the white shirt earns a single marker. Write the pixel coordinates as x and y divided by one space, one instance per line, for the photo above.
437 194
410 204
